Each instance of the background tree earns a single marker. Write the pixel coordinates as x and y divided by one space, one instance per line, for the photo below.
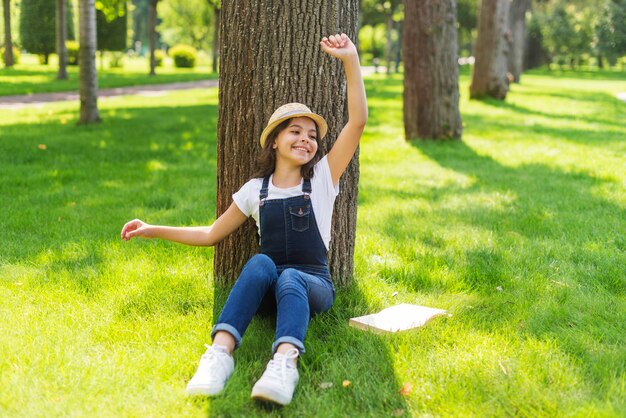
186 22
216 5
61 38
87 61
38 27
490 51
270 55
517 39
467 21
431 87
152 33
8 42
611 31
111 26
140 25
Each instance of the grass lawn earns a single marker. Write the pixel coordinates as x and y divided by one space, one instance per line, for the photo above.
518 231
30 77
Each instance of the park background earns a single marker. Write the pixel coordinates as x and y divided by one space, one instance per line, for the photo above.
516 228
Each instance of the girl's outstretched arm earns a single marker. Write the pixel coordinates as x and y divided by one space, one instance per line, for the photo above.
340 46
225 225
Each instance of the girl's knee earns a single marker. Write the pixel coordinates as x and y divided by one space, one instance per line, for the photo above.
259 268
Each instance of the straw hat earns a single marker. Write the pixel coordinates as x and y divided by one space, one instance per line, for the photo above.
292 110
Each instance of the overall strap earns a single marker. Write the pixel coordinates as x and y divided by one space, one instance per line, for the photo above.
306 188
264 188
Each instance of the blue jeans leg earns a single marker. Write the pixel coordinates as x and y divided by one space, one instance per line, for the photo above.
257 277
299 296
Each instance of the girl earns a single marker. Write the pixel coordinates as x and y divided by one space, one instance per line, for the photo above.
291 199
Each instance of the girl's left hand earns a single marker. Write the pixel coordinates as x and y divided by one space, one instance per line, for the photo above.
338 46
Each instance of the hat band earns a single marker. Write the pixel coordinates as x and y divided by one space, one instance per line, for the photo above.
297 111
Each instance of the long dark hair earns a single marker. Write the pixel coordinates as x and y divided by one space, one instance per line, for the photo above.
266 163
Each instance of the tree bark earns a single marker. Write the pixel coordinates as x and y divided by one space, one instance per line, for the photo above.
517 43
216 37
9 60
61 37
490 69
269 56
87 61
431 75
152 17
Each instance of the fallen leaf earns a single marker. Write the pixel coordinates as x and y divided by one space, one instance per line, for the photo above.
499 288
394 294
406 389
42 146
326 385
346 383
398 412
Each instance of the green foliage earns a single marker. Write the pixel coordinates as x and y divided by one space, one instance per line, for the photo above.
611 30
186 22
372 41
38 26
111 30
73 50
184 56
16 54
159 57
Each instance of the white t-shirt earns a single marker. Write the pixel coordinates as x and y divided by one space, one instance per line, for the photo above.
322 197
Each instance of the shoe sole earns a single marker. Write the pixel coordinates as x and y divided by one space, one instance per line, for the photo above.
268 395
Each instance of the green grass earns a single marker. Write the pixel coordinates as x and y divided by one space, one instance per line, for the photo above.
30 77
518 231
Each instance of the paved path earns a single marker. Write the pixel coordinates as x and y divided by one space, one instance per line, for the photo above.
16 102
38 99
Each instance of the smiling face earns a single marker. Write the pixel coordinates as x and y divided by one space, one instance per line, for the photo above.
296 144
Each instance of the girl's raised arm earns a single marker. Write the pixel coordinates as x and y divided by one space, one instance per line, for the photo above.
225 225
340 46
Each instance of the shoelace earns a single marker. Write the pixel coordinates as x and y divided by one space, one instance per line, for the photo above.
278 367
211 357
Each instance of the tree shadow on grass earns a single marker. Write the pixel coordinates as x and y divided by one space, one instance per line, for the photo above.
553 266
607 109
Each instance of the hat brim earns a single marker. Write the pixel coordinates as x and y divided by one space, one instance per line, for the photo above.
321 123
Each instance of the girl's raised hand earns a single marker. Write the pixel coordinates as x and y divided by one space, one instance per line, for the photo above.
338 46
135 228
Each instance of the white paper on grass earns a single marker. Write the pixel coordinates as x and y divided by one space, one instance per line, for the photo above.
397 318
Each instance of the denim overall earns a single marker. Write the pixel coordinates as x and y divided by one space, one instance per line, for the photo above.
292 267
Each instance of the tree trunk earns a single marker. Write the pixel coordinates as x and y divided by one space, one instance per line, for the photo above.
517 44
216 37
152 17
9 61
61 37
269 56
431 74
399 47
389 41
87 61
490 69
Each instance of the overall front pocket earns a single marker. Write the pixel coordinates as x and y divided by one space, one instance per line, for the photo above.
300 217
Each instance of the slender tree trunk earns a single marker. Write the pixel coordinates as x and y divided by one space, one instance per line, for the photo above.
216 37
61 37
399 47
490 68
517 43
87 61
389 42
9 61
431 75
269 56
152 35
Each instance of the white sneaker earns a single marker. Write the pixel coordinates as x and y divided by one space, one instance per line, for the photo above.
279 379
215 368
